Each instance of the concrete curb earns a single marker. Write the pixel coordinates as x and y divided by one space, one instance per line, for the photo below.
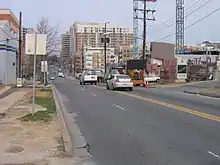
74 142
5 89
68 146
202 93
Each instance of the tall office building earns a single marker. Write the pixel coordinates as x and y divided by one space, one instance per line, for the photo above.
65 47
90 34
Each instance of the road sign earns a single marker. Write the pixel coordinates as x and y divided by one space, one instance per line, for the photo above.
41 40
44 66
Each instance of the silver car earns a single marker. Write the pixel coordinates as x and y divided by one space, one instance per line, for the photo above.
119 81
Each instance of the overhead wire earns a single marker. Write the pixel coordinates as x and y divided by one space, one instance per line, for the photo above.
171 20
194 23
199 6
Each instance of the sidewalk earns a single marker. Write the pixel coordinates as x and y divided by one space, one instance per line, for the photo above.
211 92
4 89
8 101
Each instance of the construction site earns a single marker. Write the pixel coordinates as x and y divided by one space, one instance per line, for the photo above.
173 62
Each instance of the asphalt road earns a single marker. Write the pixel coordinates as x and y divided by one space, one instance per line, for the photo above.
145 126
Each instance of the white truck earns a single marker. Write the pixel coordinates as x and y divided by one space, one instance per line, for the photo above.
88 77
152 79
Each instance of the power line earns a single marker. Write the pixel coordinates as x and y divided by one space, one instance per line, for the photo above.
194 23
171 22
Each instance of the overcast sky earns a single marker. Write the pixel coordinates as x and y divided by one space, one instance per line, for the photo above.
65 12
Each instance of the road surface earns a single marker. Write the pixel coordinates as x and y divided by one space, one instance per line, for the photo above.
145 126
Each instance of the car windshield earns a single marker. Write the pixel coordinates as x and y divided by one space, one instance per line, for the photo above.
122 77
91 73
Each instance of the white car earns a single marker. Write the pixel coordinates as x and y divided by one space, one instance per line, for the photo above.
119 81
61 74
88 77
152 79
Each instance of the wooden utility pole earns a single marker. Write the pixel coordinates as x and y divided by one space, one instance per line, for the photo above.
105 40
97 60
20 46
82 57
74 67
145 19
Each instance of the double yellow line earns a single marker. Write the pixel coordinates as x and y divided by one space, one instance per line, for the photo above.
173 106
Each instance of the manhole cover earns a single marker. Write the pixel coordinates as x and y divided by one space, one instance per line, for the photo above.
14 149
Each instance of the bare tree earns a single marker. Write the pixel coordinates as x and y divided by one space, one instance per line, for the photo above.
52 32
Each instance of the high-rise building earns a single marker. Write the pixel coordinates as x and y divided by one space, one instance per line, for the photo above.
65 47
8 15
90 34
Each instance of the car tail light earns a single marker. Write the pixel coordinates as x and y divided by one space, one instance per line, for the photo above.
131 80
117 80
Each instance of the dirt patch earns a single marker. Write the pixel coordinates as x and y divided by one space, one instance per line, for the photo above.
2 86
43 93
31 142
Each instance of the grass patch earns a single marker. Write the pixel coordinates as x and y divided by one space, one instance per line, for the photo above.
44 99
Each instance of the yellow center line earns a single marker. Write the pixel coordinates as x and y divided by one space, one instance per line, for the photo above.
173 106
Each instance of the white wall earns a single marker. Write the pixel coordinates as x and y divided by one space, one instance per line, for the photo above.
7 58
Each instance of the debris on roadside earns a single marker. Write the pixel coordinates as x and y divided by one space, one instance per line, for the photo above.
28 139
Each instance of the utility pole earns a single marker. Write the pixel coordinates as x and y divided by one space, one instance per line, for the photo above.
97 61
105 40
148 15
105 45
82 57
20 46
74 63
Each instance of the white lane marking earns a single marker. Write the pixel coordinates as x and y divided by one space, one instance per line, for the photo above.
213 154
82 89
94 94
117 106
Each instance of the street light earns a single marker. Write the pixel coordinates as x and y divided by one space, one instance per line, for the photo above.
105 40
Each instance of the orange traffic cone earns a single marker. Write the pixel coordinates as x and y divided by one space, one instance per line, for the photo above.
147 85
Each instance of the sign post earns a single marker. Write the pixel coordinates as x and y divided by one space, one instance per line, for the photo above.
44 70
35 45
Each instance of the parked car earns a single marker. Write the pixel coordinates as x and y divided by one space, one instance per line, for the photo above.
152 79
119 81
88 77
61 74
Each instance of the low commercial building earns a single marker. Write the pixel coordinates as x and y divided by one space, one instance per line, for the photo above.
8 54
